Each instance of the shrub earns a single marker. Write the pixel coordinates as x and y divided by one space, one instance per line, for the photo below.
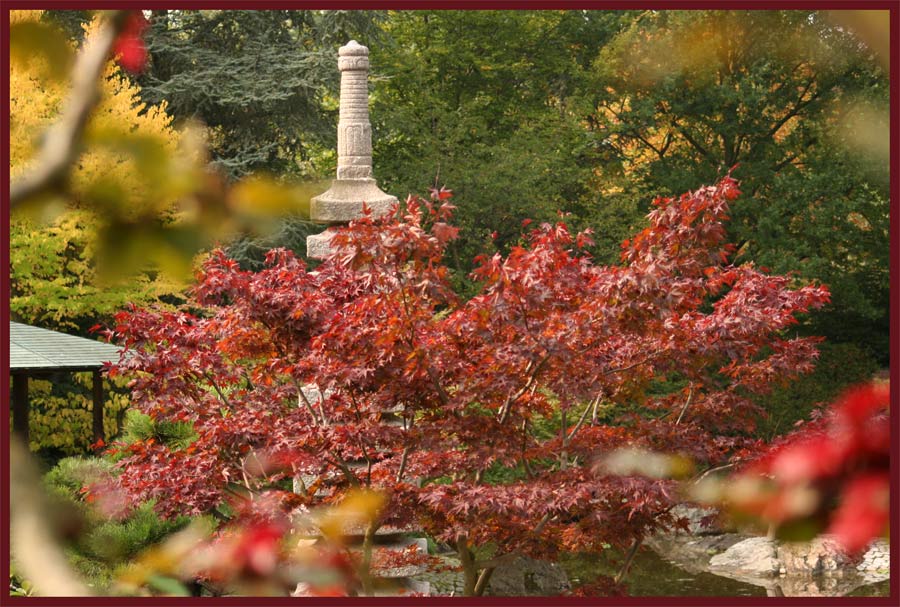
101 543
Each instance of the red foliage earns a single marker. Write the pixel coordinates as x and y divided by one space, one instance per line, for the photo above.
129 46
832 474
550 336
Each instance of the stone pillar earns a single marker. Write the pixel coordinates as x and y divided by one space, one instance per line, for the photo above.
355 183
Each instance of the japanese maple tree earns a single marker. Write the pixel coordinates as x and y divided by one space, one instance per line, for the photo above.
370 372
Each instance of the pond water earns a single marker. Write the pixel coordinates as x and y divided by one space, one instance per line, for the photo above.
651 575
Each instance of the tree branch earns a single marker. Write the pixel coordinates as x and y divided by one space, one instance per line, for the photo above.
301 398
403 459
798 105
483 580
61 142
631 366
686 403
581 419
342 465
632 552
543 523
34 545
215 386
366 564
468 565
690 139
504 411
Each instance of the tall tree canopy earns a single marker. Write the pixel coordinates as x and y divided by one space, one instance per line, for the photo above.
479 101
622 105
791 98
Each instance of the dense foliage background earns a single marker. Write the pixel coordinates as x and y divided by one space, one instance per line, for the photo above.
526 115
624 105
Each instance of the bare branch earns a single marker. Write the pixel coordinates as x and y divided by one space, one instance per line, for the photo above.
33 544
798 106
403 459
716 469
543 522
690 139
342 465
483 580
632 552
215 386
302 399
591 405
687 403
631 366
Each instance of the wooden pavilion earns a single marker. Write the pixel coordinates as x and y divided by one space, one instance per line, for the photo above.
36 352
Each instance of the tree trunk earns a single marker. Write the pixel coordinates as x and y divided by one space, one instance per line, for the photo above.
470 574
365 572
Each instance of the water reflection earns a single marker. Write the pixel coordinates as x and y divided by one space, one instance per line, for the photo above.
651 575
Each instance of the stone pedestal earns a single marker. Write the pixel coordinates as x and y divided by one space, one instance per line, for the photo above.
355 184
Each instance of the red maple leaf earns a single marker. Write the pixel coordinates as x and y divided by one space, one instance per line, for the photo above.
129 46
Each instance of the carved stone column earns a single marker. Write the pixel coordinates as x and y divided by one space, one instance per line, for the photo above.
355 183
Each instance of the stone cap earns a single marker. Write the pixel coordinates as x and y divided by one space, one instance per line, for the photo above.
353 49
353 56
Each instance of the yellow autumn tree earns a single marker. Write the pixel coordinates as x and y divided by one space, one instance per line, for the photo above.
125 165
129 166
137 202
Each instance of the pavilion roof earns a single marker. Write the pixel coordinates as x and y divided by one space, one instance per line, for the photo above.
35 349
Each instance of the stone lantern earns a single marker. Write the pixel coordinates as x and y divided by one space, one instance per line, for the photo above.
355 183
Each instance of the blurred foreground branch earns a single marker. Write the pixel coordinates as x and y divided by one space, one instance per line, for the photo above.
61 141
33 546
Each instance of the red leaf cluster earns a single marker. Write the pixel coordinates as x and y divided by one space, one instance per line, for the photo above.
371 371
833 473
129 47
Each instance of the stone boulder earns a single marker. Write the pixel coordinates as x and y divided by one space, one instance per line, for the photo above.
876 562
700 521
754 557
814 568
815 557
692 553
519 577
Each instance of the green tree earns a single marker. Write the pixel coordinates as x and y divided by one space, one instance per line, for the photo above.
256 79
794 101
482 102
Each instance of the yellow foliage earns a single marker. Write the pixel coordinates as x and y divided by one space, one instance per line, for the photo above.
357 510
61 417
53 277
128 170
110 159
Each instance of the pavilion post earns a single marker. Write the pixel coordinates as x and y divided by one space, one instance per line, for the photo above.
20 406
98 406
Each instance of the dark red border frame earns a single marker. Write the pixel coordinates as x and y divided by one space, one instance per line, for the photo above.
893 6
